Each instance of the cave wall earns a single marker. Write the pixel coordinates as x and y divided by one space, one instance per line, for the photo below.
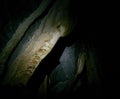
12 14
39 44
61 76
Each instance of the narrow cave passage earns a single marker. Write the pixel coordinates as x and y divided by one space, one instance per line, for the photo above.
47 50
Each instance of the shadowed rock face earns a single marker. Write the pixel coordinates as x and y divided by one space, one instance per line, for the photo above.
62 75
39 47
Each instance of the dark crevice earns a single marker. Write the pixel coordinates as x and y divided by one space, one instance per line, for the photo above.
47 65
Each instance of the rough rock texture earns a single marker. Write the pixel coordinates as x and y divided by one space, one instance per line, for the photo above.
19 33
65 74
33 48
31 54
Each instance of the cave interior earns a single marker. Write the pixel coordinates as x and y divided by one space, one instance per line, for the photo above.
59 65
